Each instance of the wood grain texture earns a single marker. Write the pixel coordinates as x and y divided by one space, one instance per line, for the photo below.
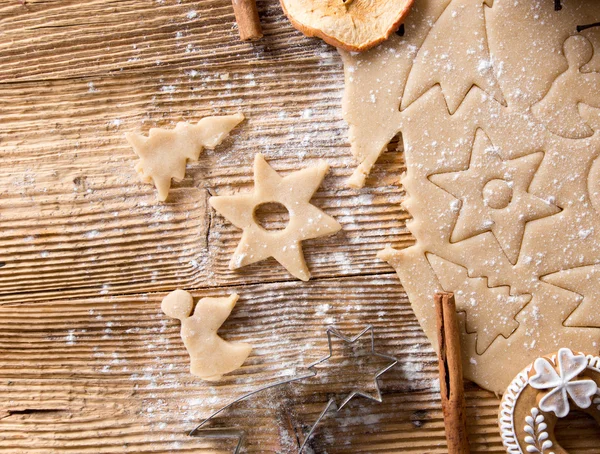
88 364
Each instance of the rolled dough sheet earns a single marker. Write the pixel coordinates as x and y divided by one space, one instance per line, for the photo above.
497 104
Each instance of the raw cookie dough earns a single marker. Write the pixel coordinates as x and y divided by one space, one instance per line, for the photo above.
544 392
164 153
504 195
210 356
306 221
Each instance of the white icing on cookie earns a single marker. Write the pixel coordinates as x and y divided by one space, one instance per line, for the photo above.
569 379
562 384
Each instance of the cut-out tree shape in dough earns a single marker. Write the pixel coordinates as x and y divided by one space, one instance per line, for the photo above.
490 311
165 152
455 55
494 197
306 221
210 356
559 109
584 281
524 209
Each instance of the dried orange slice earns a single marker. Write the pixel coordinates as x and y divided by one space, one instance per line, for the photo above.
353 25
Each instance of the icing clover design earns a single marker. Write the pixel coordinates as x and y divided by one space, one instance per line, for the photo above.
543 393
563 384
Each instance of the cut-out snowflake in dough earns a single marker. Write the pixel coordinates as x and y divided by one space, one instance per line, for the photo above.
494 196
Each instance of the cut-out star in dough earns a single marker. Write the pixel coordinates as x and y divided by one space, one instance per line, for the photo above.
461 32
306 221
494 196
164 153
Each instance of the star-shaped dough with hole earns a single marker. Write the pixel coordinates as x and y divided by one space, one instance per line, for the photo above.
306 221
494 196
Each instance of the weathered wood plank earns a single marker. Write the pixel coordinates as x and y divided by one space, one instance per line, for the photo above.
98 37
96 365
88 364
76 220
110 374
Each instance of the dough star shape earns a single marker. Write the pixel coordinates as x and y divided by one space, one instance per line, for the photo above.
494 196
210 356
306 221
164 153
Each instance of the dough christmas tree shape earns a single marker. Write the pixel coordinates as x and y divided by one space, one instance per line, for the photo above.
497 104
165 153
306 221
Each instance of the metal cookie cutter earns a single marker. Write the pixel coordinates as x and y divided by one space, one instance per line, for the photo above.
228 433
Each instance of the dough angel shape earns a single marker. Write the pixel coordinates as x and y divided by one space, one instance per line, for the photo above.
211 357
306 221
164 153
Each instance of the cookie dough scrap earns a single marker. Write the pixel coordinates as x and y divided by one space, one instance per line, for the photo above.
210 356
306 221
165 153
496 103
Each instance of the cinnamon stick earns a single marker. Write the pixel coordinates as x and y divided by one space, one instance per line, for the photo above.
246 16
451 375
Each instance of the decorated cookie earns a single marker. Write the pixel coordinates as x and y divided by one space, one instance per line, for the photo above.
496 104
544 392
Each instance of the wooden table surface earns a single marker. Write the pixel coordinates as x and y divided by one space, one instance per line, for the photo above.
88 363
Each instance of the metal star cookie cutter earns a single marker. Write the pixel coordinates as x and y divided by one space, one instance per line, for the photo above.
218 433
